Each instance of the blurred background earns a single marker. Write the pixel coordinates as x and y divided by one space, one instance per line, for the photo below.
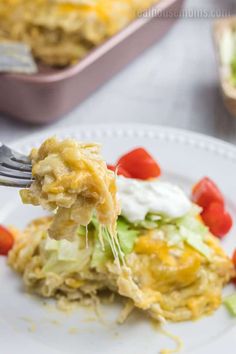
174 83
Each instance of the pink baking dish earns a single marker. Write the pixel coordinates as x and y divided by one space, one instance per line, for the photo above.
49 94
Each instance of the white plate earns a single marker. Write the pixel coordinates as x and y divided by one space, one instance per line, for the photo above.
28 326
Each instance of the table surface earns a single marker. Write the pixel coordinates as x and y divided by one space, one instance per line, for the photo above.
175 83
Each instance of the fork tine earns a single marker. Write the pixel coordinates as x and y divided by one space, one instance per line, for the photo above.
5 151
15 168
7 172
14 165
13 182
16 156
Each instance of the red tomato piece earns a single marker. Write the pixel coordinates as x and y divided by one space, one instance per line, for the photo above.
206 192
120 170
111 167
6 241
139 164
217 219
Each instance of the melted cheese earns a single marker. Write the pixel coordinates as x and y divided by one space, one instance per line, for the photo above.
166 266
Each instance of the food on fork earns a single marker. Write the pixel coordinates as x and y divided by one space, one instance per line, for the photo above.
72 180
172 267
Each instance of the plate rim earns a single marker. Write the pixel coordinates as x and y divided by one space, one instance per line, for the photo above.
139 130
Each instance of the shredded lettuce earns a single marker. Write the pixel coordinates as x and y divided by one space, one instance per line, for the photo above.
228 53
65 250
51 244
188 229
230 303
100 254
150 222
146 225
196 241
233 70
66 256
126 235
63 256
172 234
193 232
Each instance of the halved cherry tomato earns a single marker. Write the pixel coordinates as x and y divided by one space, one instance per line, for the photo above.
217 219
6 241
139 164
206 192
120 170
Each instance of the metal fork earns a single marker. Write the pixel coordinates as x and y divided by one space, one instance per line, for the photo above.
15 168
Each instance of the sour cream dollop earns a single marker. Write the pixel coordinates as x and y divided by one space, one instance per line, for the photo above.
138 198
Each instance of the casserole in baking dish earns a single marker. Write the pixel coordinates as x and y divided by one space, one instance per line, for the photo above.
52 92
65 31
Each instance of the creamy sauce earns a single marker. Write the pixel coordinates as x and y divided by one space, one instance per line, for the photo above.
138 198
